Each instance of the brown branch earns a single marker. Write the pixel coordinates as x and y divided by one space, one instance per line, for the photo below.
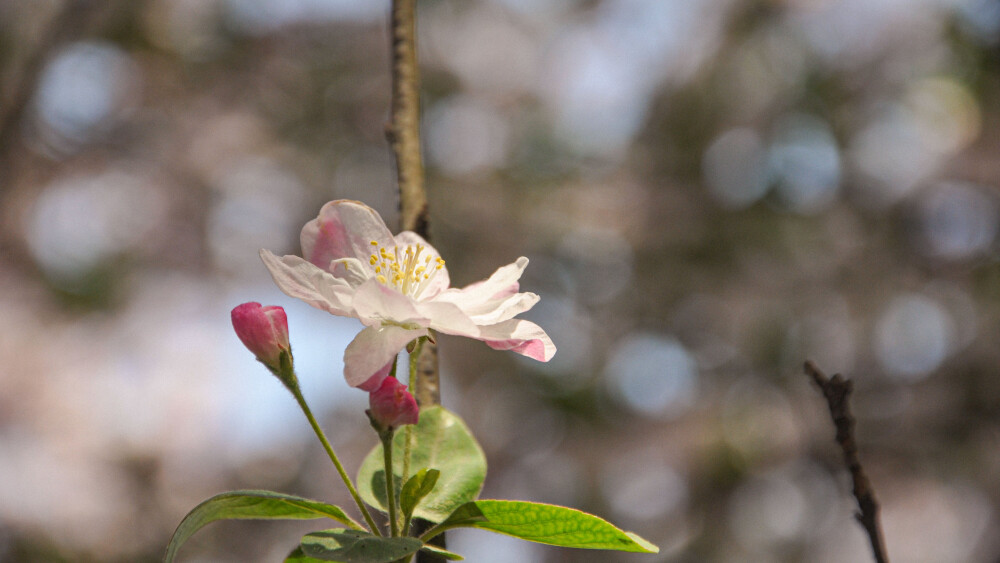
404 130
837 391
403 134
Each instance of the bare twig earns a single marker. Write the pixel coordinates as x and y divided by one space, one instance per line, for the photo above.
404 130
404 136
403 133
837 391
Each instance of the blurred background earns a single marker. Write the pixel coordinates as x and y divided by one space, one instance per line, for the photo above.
710 192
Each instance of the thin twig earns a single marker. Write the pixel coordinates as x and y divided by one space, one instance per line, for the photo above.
837 391
403 133
404 136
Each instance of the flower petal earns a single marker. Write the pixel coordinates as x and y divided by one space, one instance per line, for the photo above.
440 280
448 318
344 229
475 298
351 270
520 336
302 280
375 303
373 382
372 349
493 312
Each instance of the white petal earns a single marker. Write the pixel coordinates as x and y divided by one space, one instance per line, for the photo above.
372 349
344 229
302 280
448 318
501 285
493 312
353 271
520 336
374 302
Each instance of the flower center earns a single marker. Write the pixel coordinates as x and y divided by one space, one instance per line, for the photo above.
403 269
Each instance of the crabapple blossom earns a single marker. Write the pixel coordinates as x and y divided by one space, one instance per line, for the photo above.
398 286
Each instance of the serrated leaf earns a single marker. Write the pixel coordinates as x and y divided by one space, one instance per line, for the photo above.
352 546
419 486
544 523
252 504
443 442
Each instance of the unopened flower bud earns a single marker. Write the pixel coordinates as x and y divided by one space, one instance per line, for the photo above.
264 331
392 405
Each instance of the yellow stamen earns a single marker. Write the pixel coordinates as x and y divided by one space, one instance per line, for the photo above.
404 268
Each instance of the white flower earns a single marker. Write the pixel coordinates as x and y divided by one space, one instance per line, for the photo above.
398 287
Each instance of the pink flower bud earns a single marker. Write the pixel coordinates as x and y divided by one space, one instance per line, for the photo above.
392 405
264 331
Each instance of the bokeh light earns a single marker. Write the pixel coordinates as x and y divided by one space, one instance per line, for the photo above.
652 375
913 336
734 168
85 87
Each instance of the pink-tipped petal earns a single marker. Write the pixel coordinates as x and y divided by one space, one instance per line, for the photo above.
519 336
343 229
373 382
302 280
373 348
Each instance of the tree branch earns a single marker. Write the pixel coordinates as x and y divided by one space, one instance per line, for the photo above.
837 391
403 134
404 137
404 131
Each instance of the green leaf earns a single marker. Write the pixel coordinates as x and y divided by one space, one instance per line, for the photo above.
352 546
296 556
241 505
543 523
442 553
419 486
441 441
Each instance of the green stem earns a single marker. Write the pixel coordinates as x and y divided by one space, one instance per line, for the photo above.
414 383
390 489
333 457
